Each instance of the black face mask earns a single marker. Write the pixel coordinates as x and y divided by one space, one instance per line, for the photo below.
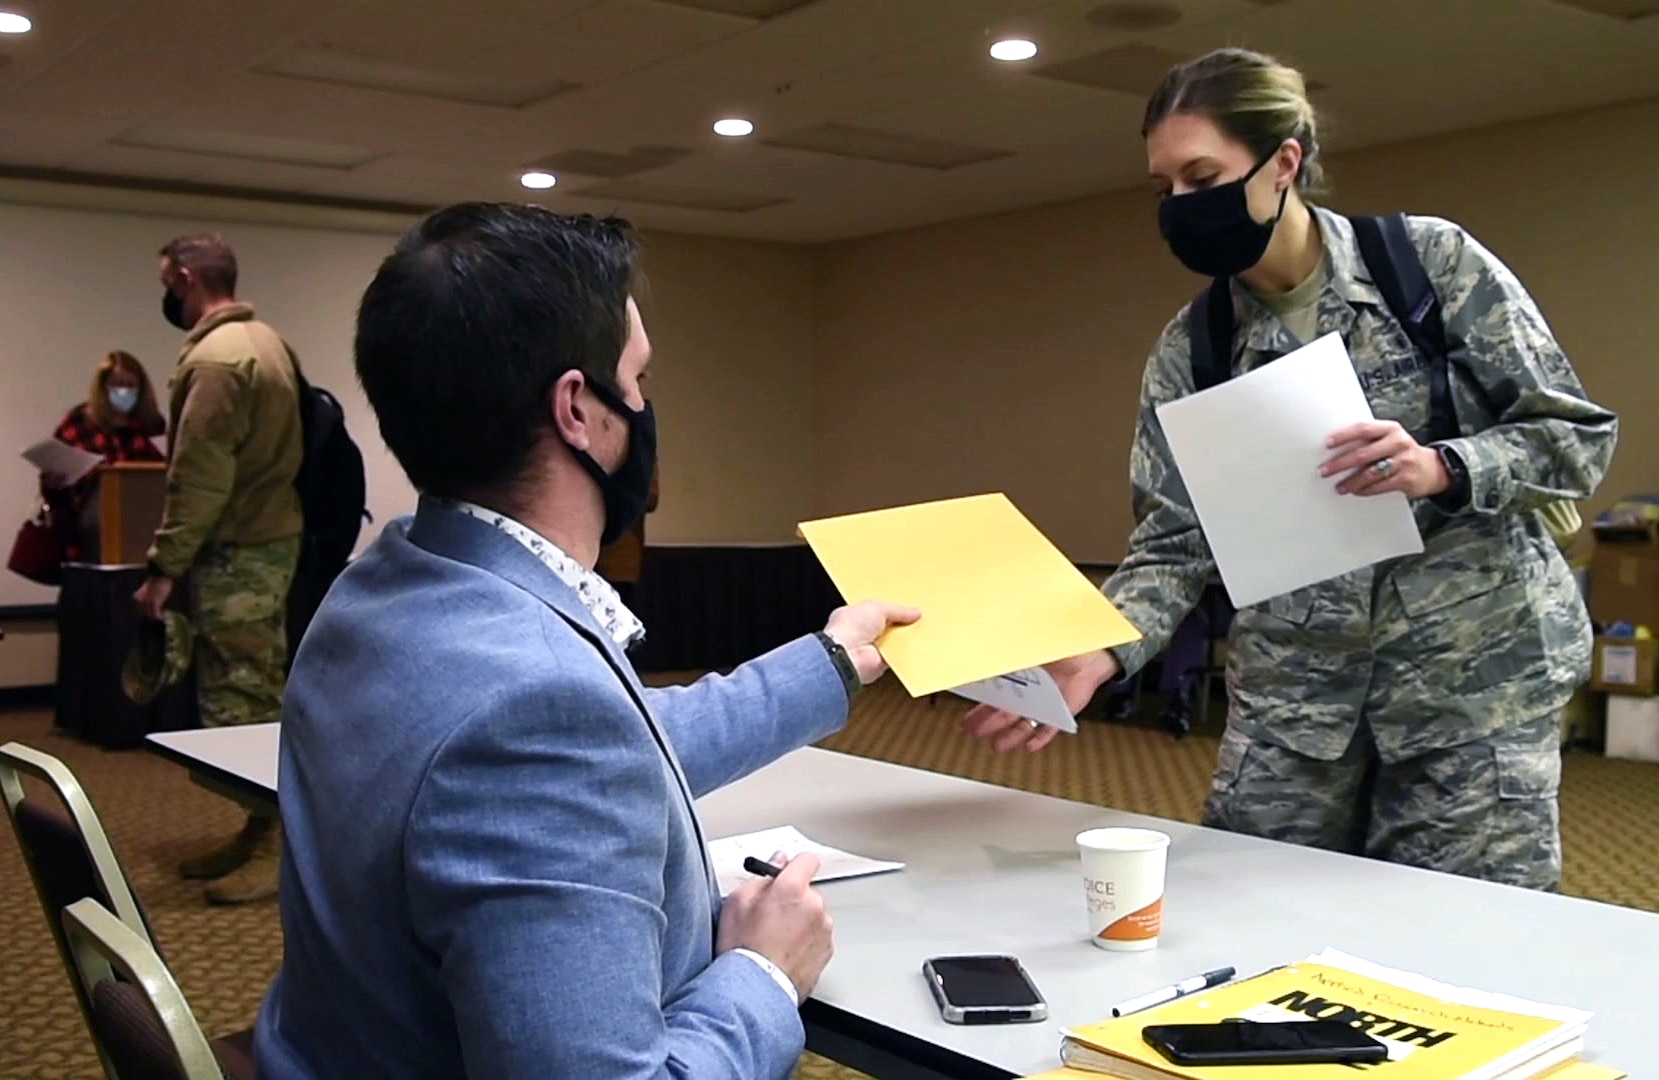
628 489
1211 230
172 309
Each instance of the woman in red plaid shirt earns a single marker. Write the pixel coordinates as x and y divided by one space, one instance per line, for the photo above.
118 420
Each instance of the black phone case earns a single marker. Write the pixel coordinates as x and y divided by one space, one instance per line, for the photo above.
1156 1036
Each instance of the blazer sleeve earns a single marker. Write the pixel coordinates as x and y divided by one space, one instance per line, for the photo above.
534 856
724 727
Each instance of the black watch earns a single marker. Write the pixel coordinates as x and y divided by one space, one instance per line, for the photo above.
843 662
1457 494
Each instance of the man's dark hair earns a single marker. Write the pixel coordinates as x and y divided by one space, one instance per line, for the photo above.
208 257
469 323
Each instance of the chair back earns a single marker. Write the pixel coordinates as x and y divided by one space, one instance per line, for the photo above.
140 1022
66 849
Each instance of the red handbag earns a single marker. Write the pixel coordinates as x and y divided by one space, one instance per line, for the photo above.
37 553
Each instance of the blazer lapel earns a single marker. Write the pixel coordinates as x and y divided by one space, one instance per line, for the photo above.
466 539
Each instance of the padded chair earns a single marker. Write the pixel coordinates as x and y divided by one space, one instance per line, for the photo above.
70 859
140 1022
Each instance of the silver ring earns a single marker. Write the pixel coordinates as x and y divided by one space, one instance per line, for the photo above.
1034 725
1382 467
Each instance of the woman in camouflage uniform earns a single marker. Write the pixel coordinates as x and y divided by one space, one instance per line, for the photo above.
1407 711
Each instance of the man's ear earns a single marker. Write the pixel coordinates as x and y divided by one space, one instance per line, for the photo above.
570 414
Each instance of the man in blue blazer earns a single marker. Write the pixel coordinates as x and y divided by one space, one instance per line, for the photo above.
493 867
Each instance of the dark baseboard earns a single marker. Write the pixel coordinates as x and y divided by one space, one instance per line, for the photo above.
27 697
28 612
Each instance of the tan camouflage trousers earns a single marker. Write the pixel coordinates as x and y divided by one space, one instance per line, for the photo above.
238 606
1487 809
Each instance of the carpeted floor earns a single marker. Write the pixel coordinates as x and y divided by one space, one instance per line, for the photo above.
223 958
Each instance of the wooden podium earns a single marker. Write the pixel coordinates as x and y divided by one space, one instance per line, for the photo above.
119 521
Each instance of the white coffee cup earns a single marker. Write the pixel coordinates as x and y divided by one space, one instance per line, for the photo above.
1123 886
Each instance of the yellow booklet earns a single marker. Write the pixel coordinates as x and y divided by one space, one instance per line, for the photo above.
1433 1030
997 598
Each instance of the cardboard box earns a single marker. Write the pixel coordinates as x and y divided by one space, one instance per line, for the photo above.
1624 577
1633 728
1627 666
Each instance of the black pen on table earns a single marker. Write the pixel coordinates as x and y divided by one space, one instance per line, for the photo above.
764 869
1170 993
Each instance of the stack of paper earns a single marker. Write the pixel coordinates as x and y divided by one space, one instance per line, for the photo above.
728 854
1433 1030
998 600
58 457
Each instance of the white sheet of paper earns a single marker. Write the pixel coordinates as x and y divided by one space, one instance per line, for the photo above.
728 854
1249 452
1031 693
55 456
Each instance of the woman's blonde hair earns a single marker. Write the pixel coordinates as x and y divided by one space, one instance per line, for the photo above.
1253 98
145 415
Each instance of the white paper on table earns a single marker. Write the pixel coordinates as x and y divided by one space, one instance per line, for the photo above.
1030 693
728 854
56 456
1249 452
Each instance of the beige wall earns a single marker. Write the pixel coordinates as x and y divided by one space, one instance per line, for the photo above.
731 383
731 323
1005 353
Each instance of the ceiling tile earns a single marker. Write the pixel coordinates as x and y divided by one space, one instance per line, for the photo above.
748 9
846 140
1124 69
230 144
1616 9
655 194
321 63
610 165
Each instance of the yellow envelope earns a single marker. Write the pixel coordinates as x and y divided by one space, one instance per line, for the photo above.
996 596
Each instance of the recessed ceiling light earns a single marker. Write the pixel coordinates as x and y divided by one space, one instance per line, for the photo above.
733 127
538 181
13 23
1010 50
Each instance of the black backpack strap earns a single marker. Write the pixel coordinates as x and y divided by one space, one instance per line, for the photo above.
1210 327
1385 245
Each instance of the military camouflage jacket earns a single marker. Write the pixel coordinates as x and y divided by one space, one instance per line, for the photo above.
235 442
1483 629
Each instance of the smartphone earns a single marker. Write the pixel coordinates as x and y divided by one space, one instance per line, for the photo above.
984 990
1236 1042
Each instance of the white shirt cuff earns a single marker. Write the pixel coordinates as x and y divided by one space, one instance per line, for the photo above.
784 982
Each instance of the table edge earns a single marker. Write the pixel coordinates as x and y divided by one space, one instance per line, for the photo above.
196 766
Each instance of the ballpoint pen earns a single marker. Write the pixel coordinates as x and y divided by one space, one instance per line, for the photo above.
1170 993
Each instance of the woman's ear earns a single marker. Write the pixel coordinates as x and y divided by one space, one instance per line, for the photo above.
1288 164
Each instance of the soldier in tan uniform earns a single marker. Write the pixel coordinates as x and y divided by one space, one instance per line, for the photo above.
1407 711
231 523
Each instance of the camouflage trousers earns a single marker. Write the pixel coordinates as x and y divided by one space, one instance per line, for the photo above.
238 609
1486 809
